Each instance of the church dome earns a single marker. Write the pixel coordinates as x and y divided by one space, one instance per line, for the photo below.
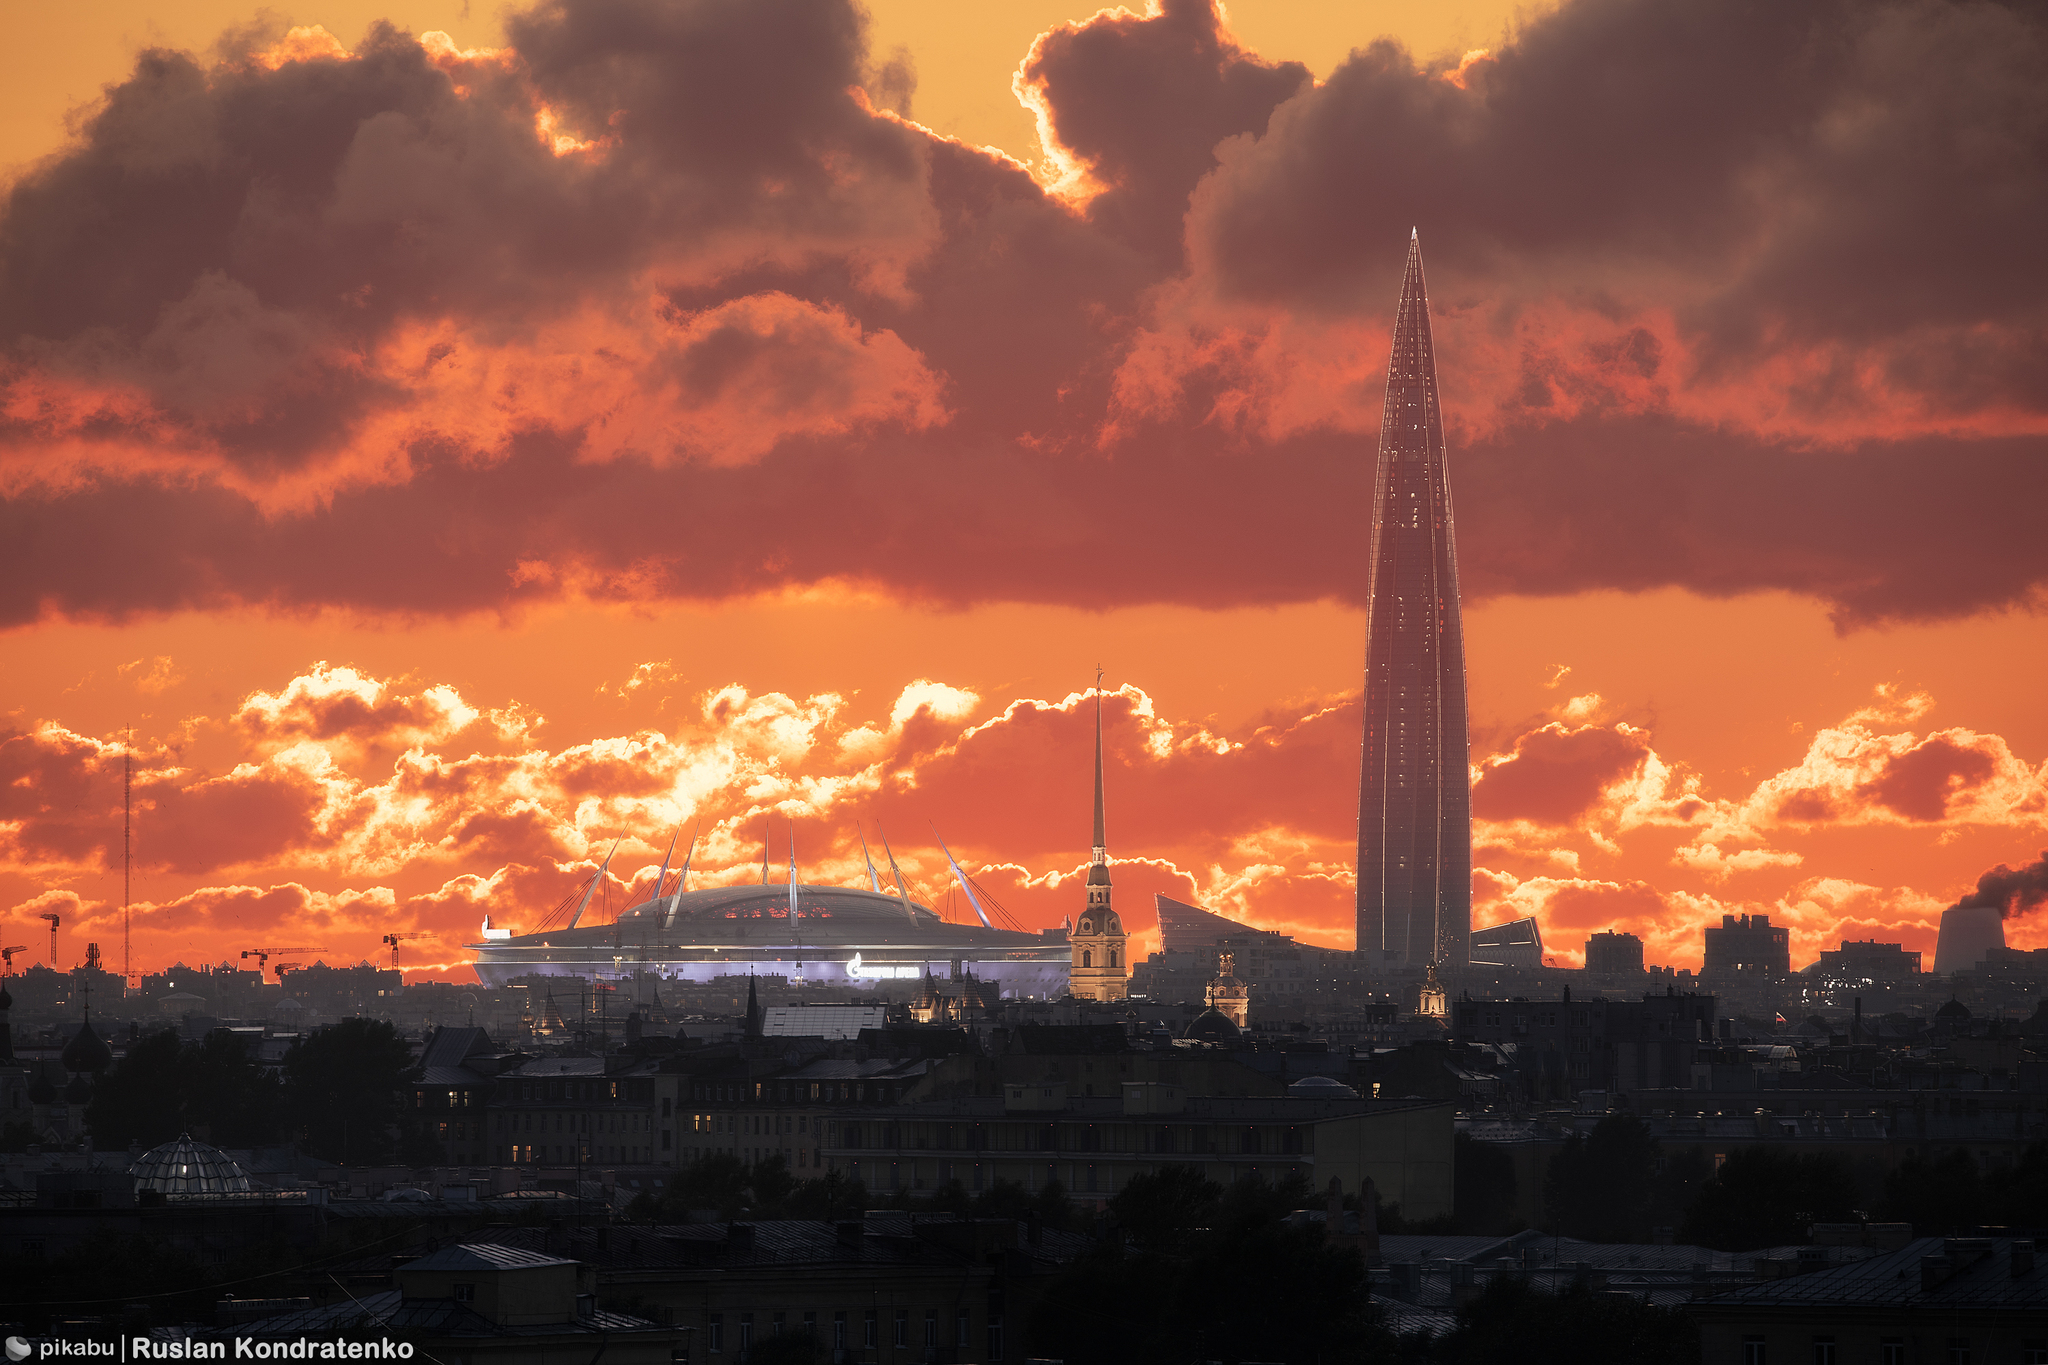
1321 1088
188 1167
86 1051
1954 1010
6 1000
1212 1026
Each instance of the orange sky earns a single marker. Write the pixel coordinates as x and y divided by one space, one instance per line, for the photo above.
808 474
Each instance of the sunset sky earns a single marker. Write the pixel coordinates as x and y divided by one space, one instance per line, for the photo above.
440 443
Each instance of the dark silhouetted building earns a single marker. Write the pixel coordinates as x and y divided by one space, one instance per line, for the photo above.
1611 954
1415 792
1957 1299
1565 1046
1747 944
1867 958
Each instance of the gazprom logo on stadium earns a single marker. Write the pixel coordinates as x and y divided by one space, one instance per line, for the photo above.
907 971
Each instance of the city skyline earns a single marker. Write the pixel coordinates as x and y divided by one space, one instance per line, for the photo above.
449 455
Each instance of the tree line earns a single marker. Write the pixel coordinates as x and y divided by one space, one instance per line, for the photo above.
1617 1184
339 1094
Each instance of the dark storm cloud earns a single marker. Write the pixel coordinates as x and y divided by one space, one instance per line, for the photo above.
1142 102
664 256
1915 529
1811 146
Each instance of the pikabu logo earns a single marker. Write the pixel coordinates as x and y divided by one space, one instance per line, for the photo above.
18 1348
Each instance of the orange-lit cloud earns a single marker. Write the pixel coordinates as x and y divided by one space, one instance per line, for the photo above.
465 305
350 805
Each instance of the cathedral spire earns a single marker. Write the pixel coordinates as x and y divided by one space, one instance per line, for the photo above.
1101 858
1098 970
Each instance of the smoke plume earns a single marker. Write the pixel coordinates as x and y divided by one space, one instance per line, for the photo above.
2014 890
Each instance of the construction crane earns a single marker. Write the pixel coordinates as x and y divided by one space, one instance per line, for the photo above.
395 939
263 955
7 954
52 918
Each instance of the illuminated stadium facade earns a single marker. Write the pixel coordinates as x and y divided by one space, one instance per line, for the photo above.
834 936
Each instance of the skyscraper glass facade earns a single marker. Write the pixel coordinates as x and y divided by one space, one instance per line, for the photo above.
1415 793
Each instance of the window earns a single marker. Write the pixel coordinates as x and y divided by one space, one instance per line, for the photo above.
995 1338
871 1331
1823 1351
960 1329
1753 1351
714 1332
838 1330
465 1293
931 1327
1958 1351
747 1335
902 1327
775 1326
811 1326
2033 1351
1891 1351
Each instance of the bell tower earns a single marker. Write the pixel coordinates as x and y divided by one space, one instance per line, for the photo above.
1099 970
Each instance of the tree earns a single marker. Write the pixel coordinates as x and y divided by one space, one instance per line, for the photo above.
1766 1197
140 1099
227 1093
1938 1195
1238 1282
1054 1209
771 1184
2021 1194
1163 1209
213 1089
1602 1186
951 1197
1484 1179
1512 1320
829 1198
1212 1272
345 1090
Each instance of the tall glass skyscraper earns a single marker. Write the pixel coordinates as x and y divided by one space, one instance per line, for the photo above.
1415 791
